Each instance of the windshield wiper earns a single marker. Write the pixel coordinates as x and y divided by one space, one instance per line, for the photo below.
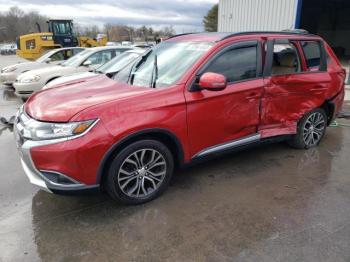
155 72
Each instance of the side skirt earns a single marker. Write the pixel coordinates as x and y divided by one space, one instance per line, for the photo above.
235 145
229 145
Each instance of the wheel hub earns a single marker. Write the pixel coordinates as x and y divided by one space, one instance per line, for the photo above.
142 172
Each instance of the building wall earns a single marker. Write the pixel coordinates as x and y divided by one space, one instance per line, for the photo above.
258 15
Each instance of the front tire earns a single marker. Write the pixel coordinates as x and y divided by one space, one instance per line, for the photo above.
310 131
140 172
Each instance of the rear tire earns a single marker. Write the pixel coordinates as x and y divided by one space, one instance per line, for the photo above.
310 131
140 172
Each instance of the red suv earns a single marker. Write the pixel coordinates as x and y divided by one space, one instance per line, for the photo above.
189 97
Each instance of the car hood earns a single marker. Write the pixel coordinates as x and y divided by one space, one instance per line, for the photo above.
31 66
62 103
24 64
71 79
47 71
20 65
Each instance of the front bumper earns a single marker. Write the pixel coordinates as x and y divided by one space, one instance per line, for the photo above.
44 179
25 90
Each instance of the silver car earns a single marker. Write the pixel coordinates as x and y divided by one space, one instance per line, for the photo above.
90 59
9 74
110 69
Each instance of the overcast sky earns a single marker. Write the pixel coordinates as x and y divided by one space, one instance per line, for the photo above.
184 15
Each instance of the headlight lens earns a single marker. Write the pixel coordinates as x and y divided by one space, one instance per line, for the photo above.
29 79
9 69
35 130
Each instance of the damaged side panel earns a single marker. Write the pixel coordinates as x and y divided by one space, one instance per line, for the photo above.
288 98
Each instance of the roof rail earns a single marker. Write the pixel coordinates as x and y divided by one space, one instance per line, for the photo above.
285 32
180 35
296 31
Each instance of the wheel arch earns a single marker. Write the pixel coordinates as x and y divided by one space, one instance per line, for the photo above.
159 134
329 107
52 78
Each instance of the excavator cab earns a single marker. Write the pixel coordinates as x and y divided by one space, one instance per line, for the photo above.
62 32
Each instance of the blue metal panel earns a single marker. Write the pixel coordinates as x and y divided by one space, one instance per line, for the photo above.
298 16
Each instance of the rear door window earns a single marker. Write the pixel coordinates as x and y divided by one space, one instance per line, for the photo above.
312 52
286 59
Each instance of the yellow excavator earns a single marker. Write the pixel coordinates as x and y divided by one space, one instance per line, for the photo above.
60 34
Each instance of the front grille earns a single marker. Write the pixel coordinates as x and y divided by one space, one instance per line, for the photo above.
25 92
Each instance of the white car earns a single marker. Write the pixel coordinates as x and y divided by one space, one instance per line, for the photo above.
9 74
110 69
9 49
90 59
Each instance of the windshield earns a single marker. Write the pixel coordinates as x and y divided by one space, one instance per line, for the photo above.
62 28
46 56
164 64
118 63
77 59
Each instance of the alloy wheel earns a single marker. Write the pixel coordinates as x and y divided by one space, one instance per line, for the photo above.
314 129
141 173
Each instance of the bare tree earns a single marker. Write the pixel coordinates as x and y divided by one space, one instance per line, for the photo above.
15 23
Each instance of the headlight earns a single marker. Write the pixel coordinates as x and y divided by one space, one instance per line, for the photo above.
29 79
35 130
9 69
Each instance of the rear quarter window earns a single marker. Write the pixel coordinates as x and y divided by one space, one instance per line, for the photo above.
312 53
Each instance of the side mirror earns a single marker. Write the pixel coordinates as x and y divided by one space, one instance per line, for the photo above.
212 81
87 63
48 60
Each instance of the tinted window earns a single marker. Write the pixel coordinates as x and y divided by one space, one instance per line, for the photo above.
285 59
312 54
236 64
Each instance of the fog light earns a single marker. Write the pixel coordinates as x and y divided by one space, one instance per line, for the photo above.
57 178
